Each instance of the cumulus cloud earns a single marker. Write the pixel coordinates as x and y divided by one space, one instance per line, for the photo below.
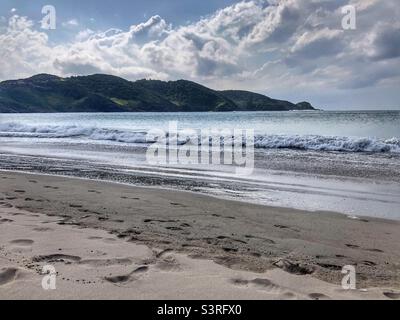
84 34
23 50
258 44
155 27
71 23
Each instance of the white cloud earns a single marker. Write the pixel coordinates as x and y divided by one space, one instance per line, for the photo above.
154 27
24 51
84 34
383 42
71 23
292 44
362 5
310 41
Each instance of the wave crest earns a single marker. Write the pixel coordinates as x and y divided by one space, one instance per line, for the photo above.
327 143
300 142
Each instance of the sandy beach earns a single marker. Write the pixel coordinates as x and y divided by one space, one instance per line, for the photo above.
207 150
114 241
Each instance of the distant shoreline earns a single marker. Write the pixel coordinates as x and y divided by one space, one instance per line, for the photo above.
163 112
107 93
220 112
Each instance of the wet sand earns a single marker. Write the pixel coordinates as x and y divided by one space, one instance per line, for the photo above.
110 240
333 190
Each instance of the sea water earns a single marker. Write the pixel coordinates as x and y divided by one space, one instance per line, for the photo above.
344 161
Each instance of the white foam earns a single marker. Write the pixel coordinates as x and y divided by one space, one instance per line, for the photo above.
300 142
93 133
328 143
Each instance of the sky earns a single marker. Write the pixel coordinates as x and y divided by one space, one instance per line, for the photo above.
294 50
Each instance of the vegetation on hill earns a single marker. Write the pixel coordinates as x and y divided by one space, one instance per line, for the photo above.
106 93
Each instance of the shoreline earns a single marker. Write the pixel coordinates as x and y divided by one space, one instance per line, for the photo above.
363 197
190 192
240 236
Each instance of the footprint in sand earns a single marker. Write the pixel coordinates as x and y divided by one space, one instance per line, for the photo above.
318 296
369 263
17 214
228 249
94 191
75 206
231 239
19 191
289 296
129 198
6 221
185 225
174 228
375 250
224 217
95 238
293 268
353 246
8 275
158 220
22 242
42 229
281 226
263 284
5 205
178 204
50 187
56 258
121 279
392 295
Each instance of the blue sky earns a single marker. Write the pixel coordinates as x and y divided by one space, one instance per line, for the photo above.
121 14
289 49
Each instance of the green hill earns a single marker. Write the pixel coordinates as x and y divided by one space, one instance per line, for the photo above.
106 93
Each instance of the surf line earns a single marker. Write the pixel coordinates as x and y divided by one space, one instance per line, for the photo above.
169 310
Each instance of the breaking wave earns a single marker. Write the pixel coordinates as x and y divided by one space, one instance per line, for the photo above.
91 133
328 143
300 142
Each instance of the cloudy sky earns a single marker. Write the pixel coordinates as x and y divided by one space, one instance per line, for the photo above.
289 49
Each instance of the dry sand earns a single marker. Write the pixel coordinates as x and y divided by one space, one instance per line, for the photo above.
114 241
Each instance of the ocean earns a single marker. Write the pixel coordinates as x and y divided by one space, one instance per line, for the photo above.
370 131
342 161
